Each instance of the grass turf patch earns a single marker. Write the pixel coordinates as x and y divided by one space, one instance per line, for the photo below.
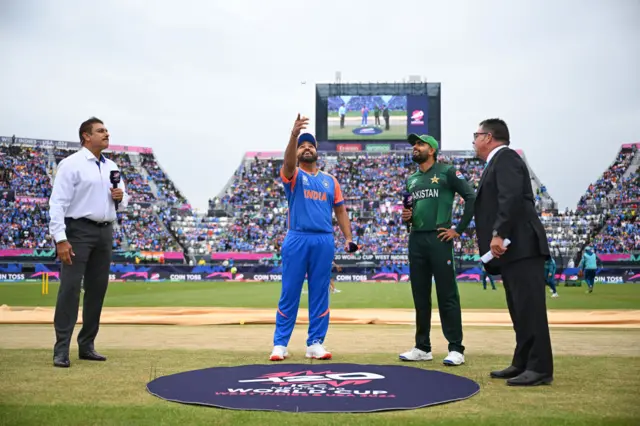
353 295
587 390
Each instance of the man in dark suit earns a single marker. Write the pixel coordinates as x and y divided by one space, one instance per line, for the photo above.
504 209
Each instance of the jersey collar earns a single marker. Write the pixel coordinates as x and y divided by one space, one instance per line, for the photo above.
89 155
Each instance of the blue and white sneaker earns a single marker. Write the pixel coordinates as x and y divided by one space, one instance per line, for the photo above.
454 358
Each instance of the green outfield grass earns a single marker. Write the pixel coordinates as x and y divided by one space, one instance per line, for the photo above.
353 295
586 391
395 132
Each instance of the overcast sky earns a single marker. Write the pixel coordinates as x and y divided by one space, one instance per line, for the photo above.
201 82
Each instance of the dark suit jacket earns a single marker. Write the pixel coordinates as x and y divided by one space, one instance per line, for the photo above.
505 203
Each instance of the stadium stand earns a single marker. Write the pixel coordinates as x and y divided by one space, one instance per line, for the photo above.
29 170
603 193
24 221
590 222
249 214
24 225
372 185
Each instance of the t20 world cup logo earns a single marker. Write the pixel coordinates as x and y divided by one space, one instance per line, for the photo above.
417 118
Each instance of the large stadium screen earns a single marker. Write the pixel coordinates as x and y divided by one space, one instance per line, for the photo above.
384 117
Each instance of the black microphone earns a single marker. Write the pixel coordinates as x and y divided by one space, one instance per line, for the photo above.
114 177
407 202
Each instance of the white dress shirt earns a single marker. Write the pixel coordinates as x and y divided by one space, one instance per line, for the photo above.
82 189
493 153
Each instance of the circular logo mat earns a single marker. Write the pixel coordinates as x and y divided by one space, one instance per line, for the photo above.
314 388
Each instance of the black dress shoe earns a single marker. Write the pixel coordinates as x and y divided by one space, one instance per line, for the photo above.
92 355
530 378
507 373
61 360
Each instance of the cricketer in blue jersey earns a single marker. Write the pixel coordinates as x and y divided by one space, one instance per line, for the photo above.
309 247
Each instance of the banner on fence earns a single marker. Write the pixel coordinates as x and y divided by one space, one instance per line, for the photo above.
187 274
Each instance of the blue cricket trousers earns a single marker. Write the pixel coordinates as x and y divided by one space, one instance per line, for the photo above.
310 255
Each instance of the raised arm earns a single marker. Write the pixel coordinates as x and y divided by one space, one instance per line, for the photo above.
290 157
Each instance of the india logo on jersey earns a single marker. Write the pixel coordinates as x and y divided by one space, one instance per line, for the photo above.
315 195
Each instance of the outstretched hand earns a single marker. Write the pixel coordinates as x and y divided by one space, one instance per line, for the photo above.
299 125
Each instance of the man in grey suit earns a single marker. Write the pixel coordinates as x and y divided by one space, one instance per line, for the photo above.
82 208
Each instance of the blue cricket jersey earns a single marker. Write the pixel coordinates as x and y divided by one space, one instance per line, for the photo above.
311 199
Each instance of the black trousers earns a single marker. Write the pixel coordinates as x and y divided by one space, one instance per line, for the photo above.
92 245
524 284
430 258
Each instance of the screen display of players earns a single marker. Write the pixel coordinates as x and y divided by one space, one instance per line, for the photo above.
367 117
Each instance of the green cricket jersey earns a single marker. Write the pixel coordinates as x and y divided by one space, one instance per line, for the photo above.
433 193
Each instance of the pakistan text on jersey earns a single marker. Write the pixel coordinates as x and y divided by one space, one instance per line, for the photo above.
315 195
425 193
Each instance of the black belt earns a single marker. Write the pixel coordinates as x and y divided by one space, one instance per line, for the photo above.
91 222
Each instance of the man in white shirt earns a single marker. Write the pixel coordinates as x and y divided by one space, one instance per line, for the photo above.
82 210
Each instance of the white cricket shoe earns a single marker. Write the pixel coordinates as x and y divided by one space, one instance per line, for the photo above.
554 295
317 351
454 358
279 353
416 354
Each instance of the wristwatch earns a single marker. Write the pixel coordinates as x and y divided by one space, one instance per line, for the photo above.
495 233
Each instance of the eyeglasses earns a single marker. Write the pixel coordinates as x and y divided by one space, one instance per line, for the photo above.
475 135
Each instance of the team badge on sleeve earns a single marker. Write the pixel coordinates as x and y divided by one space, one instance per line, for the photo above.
459 175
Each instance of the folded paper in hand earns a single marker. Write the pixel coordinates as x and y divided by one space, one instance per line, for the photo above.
488 256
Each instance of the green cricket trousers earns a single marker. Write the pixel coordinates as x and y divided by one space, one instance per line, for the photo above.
430 257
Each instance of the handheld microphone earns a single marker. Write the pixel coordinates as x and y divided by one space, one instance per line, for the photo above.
353 247
407 202
114 177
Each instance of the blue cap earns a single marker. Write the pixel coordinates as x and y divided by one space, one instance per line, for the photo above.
307 137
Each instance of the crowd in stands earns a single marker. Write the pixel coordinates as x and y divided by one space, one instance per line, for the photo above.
601 194
357 103
137 186
372 187
26 170
167 190
257 198
24 225
143 231
620 233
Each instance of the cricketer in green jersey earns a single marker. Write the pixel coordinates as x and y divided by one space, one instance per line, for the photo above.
433 187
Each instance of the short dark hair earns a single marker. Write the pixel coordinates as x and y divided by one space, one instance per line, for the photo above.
498 129
87 126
